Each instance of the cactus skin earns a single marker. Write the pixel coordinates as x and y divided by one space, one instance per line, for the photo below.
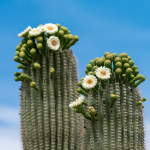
119 126
49 84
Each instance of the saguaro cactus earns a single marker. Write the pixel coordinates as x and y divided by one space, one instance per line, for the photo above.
112 104
49 83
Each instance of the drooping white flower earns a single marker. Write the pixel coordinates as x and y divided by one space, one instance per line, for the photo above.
50 28
103 73
24 32
53 43
89 82
36 31
78 101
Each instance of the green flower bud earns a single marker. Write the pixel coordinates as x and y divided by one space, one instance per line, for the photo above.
135 72
80 83
134 67
126 65
21 67
143 78
24 41
82 79
92 113
114 98
23 49
25 46
124 60
100 62
107 63
52 71
31 43
64 29
131 62
90 73
118 65
70 37
109 57
114 55
96 59
33 51
17 53
39 39
33 85
17 74
23 75
40 25
94 68
139 103
120 55
118 71
18 79
86 71
17 59
68 32
40 47
58 25
129 71
124 55
89 67
143 99
103 58
76 38
18 48
81 91
61 33
129 58
123 75
37 66
142 106
92 62
117 59
132 76
106 53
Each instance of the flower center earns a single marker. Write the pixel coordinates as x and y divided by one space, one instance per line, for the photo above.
54 43
103 72
77 100
35 30
50 28
89 81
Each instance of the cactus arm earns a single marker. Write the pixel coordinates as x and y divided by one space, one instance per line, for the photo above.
40 106
45 100
134 119
58 99
128 117
33 111
93 133
122 114
52 103
115 116
23 115
65 104
100 119
108 117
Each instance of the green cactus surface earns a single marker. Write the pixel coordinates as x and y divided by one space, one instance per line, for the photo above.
112 104
48 84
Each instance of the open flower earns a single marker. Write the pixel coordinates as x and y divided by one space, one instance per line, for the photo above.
103 73
89 82
50 28
76 103
36 31
24 32
53 43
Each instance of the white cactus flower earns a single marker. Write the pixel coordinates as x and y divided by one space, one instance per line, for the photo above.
89 82
36 31
78 101
53 43
50 28
103 73
24 32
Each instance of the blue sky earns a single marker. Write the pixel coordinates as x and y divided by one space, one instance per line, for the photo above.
114 26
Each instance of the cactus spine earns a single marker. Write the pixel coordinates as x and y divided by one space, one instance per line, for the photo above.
113 103
49 82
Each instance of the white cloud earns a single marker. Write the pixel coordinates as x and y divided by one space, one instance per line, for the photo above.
9 115
10 139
